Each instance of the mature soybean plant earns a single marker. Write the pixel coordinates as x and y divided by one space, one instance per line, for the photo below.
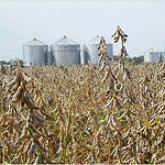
113 113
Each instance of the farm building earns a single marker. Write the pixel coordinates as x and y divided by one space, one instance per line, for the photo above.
62 52
90 50
155 56
65 51
34 53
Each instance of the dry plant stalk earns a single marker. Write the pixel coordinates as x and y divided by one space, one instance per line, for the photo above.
73 114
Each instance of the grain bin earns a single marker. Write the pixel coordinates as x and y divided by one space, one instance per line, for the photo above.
155 56
49 56
147 57
84 55
34 53
66 51
91 50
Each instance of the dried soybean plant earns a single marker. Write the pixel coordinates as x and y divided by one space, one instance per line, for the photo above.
120 35
104 60
103 55
117 36
63 114
25 122
124 102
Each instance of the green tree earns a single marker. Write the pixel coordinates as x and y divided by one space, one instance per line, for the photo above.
138 60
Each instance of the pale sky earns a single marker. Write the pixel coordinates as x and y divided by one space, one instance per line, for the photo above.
48 21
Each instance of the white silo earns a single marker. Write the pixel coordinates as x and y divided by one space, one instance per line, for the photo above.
84 55
163 55
34 53
147 57
66 51
155 56
49 56
91 50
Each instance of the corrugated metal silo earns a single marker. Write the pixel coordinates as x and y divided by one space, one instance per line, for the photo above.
84 55
66 51
92 51
34 53
163 55
154 57
147 57
49 57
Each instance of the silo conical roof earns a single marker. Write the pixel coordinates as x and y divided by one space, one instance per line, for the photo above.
35 42
95 40
65 41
